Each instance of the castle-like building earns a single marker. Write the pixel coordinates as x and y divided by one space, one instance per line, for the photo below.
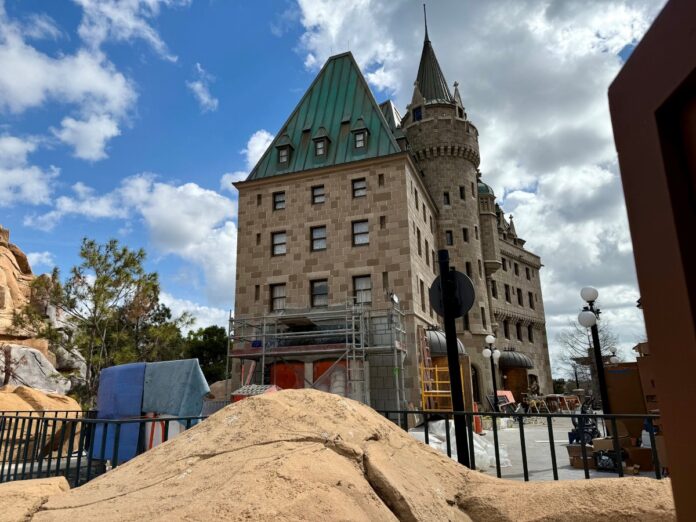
339 225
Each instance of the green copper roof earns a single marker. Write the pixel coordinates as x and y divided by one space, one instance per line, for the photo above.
340 101
431 82
484 189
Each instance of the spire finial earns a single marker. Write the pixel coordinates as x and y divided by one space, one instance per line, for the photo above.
425 20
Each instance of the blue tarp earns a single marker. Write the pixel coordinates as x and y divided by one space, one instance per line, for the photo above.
175 388
120 396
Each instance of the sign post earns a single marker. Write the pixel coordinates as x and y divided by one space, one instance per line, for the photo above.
452 295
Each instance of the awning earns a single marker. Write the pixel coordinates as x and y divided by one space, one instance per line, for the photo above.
438 343
511 359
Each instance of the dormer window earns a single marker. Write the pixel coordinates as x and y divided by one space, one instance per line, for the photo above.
284 148
321 143
360 139
418 114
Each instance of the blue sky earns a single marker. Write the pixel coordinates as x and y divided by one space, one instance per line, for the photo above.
129 118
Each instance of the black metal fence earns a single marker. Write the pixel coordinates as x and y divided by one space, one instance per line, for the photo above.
80 447
581 423
75 444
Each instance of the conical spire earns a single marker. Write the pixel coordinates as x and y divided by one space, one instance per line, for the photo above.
430 80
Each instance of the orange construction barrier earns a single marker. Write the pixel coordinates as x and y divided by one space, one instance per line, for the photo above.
478 423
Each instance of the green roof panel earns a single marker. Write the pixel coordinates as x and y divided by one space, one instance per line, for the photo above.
337 100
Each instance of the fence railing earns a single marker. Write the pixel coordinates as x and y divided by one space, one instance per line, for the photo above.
582 424
76 445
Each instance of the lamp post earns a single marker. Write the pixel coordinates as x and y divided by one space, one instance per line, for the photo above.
491 353
588 318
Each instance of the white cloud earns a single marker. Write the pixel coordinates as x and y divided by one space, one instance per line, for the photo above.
204 315
89 137
85 82
185 220
124 20
534 78
21 182
40 26
255 147
201 89
41 259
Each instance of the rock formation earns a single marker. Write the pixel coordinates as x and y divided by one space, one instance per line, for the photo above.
30 367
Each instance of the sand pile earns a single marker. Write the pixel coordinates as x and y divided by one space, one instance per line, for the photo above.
308 455
20 500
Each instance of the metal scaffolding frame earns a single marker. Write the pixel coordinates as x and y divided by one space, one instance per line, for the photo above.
352 333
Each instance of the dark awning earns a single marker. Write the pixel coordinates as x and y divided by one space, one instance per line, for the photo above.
511 359
438 343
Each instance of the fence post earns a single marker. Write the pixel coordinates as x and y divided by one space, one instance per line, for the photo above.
523 446
494 418
656 458
554 465
117 440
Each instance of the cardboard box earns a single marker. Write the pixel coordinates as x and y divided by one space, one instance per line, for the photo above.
607 443
641 456
576 462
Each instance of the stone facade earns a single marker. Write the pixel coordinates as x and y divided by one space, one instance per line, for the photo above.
428 197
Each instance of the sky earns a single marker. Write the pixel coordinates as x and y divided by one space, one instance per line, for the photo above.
130 119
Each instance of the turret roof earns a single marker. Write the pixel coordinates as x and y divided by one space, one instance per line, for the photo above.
430 80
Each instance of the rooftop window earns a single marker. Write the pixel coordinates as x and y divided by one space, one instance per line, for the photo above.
360 139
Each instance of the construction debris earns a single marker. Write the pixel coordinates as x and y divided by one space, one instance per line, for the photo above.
308 455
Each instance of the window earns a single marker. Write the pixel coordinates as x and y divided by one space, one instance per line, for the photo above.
318 236
362 289
507 293
460 112
530 333
427 253
504 264
465 320
526 272
432 228
480 268
283 155
279 243
518 331
517 269
520 301
385 281
382 222
449 240
468 268
277 297
446 198
258 199
418 235
506 329
278 200
483 318
257 292
465 234
359 188
476 231
473 192
361 233
494 289
415 193
418 114
320 148
380 180
530 297
319 293
360 140
434 263
462 192
422 294
318 194
258 239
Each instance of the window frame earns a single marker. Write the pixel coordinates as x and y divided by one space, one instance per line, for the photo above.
357 191
446 200
279 204
315 196
283 152
313 295
274 298
360 136
356 291
355 234
274 244
449 238
323 145
313 239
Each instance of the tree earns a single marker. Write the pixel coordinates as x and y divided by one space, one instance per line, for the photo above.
9 365
108 308
577 352
209 346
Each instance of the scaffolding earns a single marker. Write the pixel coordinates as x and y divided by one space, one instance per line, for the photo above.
349 334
